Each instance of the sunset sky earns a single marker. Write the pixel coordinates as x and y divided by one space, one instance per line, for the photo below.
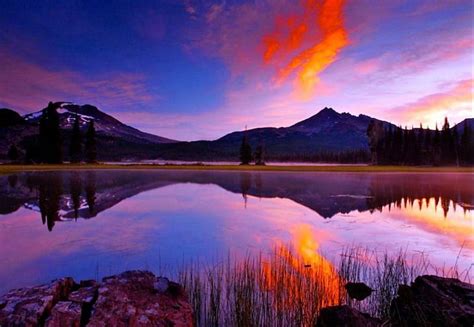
199 69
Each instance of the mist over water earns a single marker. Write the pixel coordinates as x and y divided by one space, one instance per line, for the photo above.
89 224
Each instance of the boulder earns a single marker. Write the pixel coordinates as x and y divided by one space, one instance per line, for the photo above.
65 313
31 306
345 316
138 298
133 298
358 291
433 301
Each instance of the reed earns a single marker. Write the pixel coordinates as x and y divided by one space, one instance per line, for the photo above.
280 289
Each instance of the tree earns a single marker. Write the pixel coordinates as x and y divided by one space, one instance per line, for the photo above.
245 151
375 133
50 135
436 147
466 144
75 147
259 155
447 144
13 153
91 146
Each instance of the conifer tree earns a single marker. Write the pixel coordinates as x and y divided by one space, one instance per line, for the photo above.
75 147
13 153
259 155
245 151
91 145
466 145
50 135
436 147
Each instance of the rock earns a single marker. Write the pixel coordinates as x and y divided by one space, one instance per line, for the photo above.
345 316
138 298
161 284
434 301
133 298
358 291
30 306
65 313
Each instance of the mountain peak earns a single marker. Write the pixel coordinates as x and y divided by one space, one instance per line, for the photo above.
324 115
327 111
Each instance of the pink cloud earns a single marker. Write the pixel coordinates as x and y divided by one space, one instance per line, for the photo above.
455 103
26 86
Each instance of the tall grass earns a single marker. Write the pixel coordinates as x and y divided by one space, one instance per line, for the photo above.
283 290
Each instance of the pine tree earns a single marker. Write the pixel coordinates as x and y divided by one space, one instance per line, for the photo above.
50 135
466 145
55 140
455 150
446 143
13 153
436 147
245 151
43 137
75 147
91 146
259 155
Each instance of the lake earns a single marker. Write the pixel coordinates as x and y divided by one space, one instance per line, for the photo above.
90 224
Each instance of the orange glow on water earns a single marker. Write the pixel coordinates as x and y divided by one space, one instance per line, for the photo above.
327 18
440 217
294 272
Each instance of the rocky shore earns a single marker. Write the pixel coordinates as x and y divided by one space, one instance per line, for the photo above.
139 298
428 301
133 298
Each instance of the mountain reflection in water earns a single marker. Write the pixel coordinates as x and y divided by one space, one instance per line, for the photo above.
83 194
145 219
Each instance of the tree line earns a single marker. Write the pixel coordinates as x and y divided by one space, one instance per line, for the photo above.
419 146
259 156
48 147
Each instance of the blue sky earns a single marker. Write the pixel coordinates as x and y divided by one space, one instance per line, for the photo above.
199 69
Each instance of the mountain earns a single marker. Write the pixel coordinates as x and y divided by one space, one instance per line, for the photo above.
327 135
10 117
104 124
115 140
460 127
327 131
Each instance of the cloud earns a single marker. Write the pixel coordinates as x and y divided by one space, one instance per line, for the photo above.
323 50
455 103
27 86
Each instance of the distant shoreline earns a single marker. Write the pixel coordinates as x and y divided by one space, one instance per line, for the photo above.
7 168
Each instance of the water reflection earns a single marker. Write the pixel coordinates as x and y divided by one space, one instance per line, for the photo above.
144 219
64 195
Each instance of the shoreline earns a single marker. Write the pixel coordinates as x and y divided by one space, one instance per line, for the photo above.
11 168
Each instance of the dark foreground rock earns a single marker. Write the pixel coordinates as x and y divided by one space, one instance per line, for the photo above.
429 301
345 316
133 298
434 301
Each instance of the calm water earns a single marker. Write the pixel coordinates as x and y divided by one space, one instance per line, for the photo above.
95 223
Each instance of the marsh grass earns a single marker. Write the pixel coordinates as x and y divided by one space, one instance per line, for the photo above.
282 290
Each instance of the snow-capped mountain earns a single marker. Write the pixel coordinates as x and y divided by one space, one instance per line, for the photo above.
104 124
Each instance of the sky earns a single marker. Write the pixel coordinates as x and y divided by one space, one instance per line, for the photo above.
193 69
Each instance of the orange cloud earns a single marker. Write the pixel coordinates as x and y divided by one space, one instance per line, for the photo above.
456 104
310 62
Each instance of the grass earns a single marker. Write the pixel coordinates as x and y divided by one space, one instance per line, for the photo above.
284 290
8 169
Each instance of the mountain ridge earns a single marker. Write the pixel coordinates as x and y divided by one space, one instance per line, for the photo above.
327 131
